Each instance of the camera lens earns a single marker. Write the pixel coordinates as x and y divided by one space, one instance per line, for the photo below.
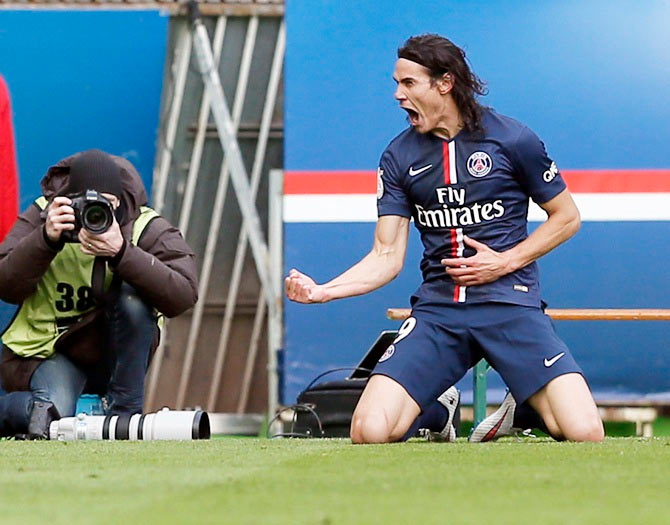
97 218
162 425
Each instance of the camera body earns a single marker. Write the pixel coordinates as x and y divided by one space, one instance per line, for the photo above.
92 211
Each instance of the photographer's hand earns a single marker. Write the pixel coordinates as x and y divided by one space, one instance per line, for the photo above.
105 244
60 217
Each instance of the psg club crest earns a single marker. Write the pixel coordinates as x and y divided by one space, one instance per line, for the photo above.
479 164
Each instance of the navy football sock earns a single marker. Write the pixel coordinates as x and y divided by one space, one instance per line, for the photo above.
525 416
434 417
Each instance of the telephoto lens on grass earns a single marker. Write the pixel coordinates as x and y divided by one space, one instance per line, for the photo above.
162 425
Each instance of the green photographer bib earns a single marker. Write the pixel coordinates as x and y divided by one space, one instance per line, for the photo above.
62 297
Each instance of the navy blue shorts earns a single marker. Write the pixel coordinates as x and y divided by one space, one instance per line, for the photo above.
437 345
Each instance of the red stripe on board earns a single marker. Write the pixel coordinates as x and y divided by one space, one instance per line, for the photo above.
445 162
329 182
617 181
579 181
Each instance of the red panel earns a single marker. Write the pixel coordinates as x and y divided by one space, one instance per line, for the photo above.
617 181
8 177
579 181
330 182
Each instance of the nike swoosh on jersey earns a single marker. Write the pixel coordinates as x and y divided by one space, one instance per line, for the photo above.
549 362
413 172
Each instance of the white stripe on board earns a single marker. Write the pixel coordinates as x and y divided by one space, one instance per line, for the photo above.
592 206
330 208
615 207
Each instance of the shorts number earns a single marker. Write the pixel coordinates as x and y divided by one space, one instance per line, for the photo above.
405 329
67 300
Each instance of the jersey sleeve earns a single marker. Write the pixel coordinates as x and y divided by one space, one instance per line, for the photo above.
536 172
391 196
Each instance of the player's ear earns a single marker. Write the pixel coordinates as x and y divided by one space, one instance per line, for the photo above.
445 83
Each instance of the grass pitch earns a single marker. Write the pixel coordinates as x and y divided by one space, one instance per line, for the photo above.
244 480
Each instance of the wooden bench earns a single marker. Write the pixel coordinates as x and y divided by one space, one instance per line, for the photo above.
641 412
643 415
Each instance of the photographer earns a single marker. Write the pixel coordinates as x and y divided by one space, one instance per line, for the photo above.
93 270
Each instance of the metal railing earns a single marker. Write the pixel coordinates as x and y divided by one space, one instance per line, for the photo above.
192 39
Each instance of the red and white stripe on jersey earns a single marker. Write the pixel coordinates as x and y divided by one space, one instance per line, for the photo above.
450 177
449 162
457 247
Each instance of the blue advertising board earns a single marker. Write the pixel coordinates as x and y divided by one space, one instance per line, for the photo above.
589 78
81 80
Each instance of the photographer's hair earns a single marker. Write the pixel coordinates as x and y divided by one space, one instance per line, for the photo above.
441 56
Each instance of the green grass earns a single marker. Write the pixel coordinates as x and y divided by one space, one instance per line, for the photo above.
661 428
624 480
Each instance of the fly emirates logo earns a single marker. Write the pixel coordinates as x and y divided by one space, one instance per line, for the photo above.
454 213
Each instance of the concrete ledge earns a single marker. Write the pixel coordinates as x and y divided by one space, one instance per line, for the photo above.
235 424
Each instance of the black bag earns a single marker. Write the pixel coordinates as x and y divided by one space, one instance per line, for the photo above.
325 409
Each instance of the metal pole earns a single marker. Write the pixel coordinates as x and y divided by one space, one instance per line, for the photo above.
479 391
276 309
180 64
217 214
228 139
240 252
199 142
251 356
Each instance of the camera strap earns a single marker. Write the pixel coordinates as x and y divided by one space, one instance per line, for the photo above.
98 281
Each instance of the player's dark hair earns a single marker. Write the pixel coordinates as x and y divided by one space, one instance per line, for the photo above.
441 56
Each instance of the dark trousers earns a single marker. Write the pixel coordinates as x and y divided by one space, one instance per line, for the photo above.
130 330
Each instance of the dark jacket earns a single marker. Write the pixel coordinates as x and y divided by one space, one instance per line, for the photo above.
161 267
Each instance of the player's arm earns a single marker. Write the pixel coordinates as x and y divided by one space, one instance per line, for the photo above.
377 268
562 223
487 265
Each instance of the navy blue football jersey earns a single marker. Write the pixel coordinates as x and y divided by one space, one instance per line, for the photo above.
477 184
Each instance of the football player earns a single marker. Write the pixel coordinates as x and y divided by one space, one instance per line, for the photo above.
465 174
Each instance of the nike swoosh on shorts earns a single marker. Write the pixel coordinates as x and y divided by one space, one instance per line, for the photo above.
549 362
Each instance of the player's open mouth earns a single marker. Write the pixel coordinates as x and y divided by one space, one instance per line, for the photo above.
412 115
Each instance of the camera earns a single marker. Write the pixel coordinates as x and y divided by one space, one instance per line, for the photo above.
92 211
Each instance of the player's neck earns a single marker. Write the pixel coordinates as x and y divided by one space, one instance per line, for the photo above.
448 130
450 122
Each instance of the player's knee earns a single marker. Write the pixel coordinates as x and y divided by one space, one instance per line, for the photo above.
368 428
553 429
587 429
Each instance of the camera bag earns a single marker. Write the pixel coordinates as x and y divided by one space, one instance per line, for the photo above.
324 409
